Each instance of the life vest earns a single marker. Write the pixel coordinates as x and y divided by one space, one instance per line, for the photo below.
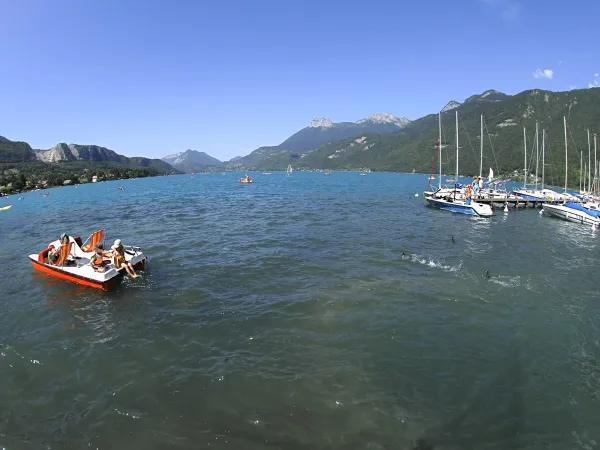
98 260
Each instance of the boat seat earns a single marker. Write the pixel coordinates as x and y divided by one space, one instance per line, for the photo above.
65 250
95 238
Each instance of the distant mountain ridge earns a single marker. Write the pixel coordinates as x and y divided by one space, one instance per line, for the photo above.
413 147
321 131
192 160
21 152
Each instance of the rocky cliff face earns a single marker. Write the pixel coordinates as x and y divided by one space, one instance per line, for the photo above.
72 152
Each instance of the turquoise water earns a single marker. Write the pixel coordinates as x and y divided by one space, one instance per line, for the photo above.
302 312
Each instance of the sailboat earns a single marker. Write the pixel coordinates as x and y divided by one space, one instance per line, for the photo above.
573 212
289 170
451 203
440 192
495 190
528 194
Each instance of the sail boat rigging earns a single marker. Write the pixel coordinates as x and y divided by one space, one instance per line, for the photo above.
448 201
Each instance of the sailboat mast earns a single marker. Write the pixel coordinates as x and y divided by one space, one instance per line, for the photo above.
456 146
525 145
481 149
595 164
580 169
440 149
543 156
566 153
537 155
589 163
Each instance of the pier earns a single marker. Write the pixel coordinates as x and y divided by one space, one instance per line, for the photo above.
520 202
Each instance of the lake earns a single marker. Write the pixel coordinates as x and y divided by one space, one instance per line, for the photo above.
300 312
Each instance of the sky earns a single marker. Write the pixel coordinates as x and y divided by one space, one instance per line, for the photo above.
151 77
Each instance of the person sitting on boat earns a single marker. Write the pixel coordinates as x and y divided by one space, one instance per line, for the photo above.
97 260
118 253
64 240
53 255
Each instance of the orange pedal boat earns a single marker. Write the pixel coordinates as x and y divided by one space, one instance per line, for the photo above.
73 263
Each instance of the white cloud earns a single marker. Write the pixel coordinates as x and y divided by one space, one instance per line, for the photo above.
546 73
572 87
595 82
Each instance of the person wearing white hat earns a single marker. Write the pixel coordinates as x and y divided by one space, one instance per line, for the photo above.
119 258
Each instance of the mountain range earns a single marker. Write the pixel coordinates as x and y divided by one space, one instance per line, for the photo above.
17 152
192 160
385 143
505 118
319 132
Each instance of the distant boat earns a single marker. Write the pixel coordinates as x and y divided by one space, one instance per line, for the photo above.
289 170
266 173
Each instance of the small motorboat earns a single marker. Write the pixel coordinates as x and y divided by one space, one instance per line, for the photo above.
73 263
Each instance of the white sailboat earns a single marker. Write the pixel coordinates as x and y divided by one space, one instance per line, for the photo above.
289 170
441 192
493 191
450 202
573 212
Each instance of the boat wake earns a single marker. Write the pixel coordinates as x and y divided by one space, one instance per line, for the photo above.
430 262
506 281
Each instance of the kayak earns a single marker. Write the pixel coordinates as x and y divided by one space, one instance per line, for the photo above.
4 208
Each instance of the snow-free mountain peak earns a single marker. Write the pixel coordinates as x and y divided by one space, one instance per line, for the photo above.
321 122
386 118
452 104
191 160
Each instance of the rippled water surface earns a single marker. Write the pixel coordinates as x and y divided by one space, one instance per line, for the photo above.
301 312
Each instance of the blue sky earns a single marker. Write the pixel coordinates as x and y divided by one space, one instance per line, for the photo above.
149 78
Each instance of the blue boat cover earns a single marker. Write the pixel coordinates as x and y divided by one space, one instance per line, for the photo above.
579 207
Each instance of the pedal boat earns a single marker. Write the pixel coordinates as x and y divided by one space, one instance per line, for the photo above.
73 264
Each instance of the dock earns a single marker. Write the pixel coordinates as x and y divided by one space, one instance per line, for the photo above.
519 202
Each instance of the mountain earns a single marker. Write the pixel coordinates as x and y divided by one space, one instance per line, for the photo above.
192 160
413 147
72 152
12 152
319 132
